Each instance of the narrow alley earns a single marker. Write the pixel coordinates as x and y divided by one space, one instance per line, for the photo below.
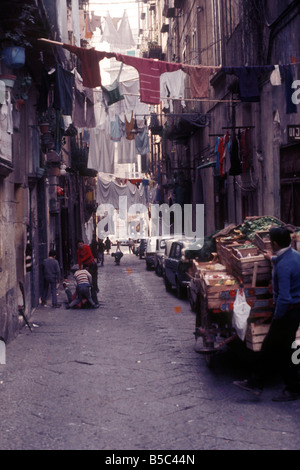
126 376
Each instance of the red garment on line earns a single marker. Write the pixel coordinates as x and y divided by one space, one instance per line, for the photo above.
149 71
90 58
199 79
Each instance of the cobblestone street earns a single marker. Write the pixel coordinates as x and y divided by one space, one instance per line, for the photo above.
126 376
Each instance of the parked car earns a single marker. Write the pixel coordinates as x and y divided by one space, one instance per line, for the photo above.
150 251
136 245
159 255
123 241
142 248
176 269
165 255
154 246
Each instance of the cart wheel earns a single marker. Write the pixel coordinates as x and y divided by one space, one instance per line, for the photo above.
210 360
209 356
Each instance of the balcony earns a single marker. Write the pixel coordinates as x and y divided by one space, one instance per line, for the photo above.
155 51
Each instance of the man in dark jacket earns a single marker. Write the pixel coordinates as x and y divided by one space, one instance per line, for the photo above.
277 345
51 273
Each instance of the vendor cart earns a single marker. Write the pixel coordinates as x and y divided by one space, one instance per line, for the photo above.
239 263
213 329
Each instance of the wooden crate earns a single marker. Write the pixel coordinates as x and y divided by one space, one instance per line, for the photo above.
249 262
256 334
262 240
199 268
224 251
212 290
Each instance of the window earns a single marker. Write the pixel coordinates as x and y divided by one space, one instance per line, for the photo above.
232 16
178 251
173 251
216 31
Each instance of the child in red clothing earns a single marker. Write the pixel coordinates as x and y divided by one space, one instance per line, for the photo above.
87 261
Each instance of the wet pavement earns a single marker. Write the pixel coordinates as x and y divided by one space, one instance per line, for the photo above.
126 376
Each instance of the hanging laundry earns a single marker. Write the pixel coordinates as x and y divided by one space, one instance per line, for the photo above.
129 126
141 111
221 149
101 152
127 152
249 80
125 33
79 109
287 76
199 79
95 22
275 77
111 93
63 90
236 168
149 71
172 86
130 90
116 130
142 142
90 68
216 152
226 157
83 110
88 26
110 33
89 110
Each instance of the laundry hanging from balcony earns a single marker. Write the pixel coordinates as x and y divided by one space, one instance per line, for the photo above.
150 71
109 192
249 80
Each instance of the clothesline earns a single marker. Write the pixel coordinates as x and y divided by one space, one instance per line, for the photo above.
151 72
202 100
199 65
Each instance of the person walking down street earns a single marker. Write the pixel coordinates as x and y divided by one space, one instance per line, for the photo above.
130 245
51 276
101 249
107 245
87 261
278 343
94 247
83 289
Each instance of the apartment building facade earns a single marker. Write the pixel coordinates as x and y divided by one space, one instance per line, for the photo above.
46 191
241 39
